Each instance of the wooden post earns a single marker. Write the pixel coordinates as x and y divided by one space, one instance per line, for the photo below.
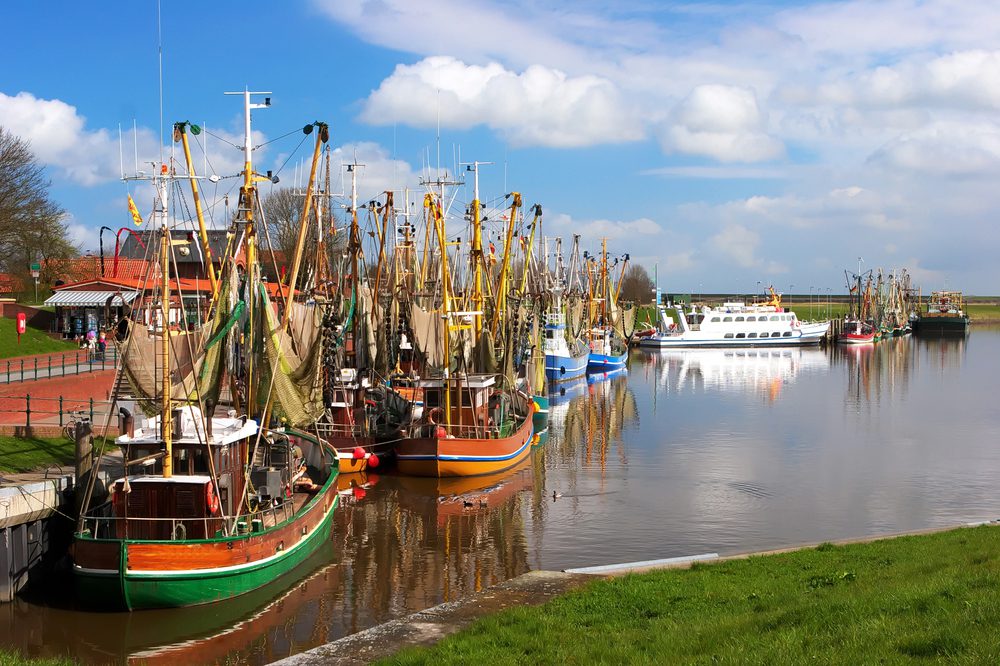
84 463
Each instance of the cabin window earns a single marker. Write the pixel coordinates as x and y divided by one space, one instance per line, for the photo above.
786 334
715 319
774 317
764 334
550 334
466 397
739 319
751 335
751 318
727 319
728 335
432 398
741 335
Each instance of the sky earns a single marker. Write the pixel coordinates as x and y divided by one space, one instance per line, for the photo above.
723 146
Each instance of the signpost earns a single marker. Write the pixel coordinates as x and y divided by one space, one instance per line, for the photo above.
35 269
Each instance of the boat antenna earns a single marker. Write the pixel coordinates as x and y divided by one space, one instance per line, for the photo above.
159 40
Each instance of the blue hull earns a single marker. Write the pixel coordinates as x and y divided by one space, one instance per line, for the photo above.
606 362
565 368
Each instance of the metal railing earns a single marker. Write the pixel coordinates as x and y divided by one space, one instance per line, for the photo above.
106 527
65 364
60 411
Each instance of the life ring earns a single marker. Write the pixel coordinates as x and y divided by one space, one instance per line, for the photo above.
211 499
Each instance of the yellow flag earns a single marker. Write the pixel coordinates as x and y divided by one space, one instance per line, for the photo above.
134 211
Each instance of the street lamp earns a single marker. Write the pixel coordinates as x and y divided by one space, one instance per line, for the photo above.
811 315
790 293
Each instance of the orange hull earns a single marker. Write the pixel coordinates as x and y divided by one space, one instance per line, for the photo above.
463 456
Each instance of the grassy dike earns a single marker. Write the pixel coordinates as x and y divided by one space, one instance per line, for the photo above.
899 600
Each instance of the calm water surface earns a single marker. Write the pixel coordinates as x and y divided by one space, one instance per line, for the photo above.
689 452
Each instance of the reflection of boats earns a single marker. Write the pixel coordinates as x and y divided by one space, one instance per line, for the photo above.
565 392
740 369
598 377
945 315
456 496
734 325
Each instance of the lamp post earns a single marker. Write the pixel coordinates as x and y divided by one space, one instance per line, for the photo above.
790 287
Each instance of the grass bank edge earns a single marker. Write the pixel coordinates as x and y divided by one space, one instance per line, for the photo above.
28 454
931 595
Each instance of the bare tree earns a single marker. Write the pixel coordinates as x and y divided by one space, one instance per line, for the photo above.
31 224
282 211
637 286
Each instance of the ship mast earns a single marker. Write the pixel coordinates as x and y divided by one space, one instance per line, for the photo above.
245 212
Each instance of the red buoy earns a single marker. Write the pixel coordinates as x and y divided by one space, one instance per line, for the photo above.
359 453
373 460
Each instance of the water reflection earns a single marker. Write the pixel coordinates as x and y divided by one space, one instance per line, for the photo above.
762 372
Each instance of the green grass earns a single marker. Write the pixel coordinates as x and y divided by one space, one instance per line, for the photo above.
27 454
32 342
11 658
907 600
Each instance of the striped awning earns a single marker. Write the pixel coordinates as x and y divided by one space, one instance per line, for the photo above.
89 298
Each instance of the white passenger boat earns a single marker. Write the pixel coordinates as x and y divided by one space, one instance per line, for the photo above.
734 324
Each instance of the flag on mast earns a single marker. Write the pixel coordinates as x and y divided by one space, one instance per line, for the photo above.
134 212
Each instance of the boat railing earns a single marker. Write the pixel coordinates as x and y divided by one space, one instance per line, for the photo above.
106 527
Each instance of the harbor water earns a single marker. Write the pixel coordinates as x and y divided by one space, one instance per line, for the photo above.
687 452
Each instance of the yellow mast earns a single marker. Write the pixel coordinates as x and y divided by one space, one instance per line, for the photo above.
166 422
501 301
180 130
476 256
435 211
383 232
537 208
322 135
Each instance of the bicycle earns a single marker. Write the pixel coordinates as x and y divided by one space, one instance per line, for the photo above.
76 417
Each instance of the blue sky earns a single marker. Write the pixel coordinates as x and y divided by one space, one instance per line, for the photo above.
727 144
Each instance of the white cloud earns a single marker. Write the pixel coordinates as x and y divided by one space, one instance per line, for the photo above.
721 122
737 244
947 148
59 138
593 230
539 106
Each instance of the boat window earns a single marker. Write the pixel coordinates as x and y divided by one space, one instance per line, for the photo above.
739 319
715 319
728 335
774 317
786 334
764 334
549 334
432 398
741 335
727 319
751 318
751 335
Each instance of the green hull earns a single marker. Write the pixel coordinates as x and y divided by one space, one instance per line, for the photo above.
540 419
137 591
942 325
